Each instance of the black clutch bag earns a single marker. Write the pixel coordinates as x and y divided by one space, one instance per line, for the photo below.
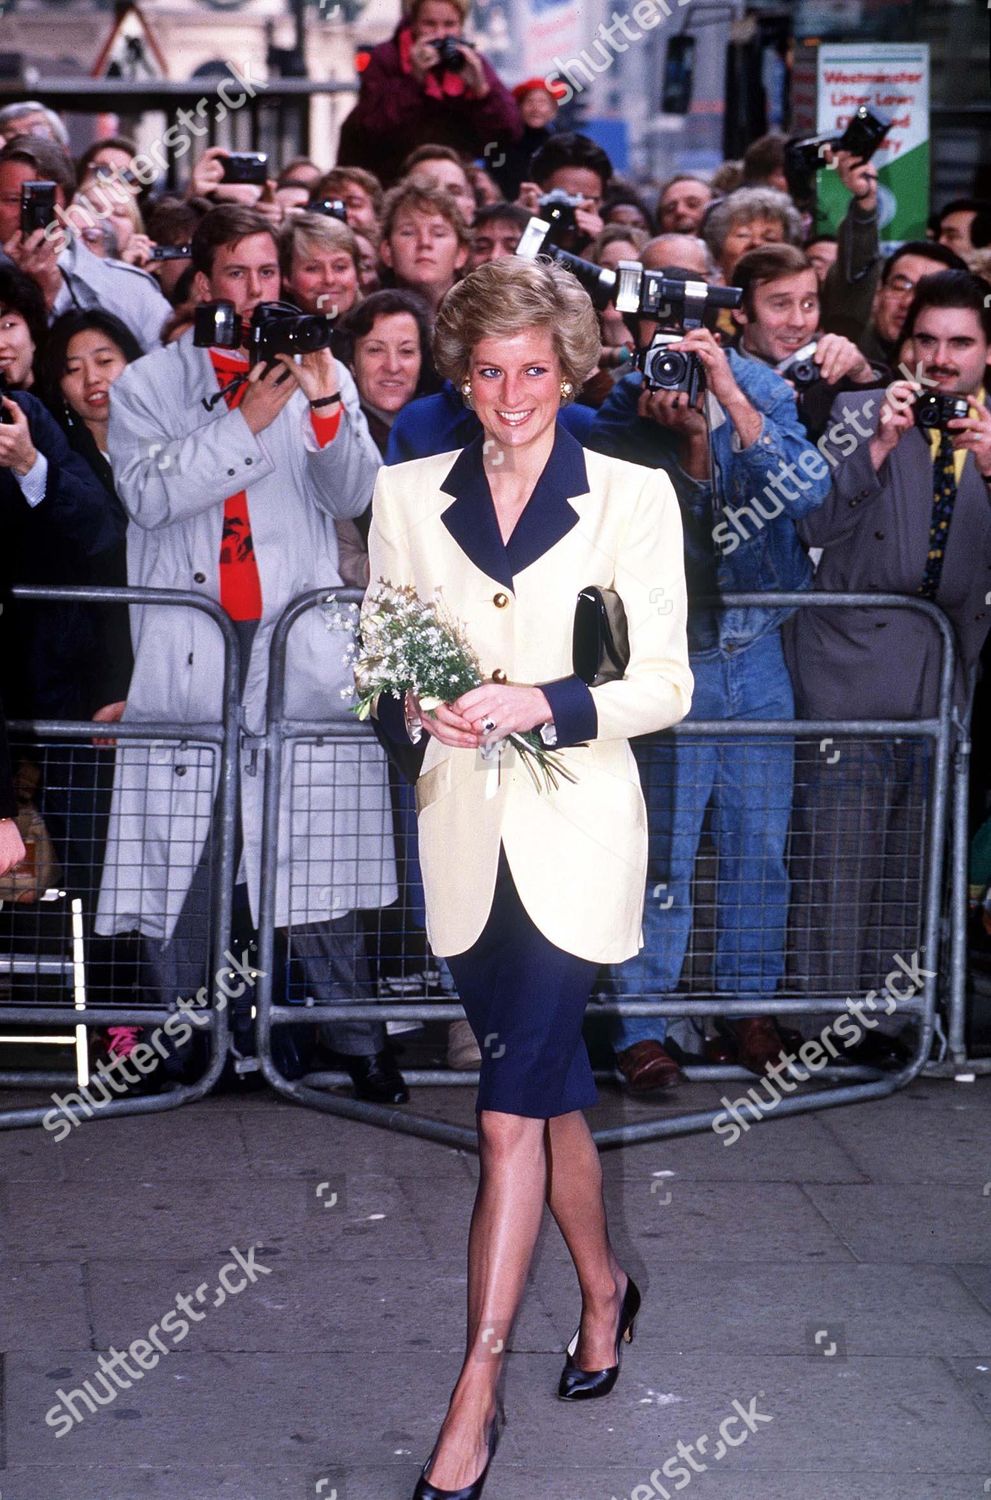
600 646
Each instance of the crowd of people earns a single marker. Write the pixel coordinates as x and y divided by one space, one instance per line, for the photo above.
133 452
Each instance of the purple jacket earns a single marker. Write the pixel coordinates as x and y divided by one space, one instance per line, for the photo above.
394 114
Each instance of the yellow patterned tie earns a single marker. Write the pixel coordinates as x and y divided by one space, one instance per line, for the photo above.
944 495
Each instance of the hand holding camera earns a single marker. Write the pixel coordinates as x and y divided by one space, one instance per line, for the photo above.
837 358
972 432
897 418
17 451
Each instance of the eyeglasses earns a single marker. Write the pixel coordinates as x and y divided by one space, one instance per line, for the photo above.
900 284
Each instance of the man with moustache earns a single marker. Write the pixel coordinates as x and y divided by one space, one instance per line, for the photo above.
909 512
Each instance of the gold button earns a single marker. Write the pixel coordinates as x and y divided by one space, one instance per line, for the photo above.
500 601
498 675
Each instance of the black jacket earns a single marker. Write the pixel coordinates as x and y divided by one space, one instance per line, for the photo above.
51 543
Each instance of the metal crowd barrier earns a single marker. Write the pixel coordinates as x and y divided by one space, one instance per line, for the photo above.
73 779
926 745
384 951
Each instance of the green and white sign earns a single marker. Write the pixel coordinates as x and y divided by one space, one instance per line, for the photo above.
893 77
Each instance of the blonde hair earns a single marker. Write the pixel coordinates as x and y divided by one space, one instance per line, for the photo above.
301 230
461 6
510 296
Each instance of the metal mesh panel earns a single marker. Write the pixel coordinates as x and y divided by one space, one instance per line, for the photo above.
119 876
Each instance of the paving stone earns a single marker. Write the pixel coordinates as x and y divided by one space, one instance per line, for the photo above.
778 1309
930 1223
35 1299
170 1218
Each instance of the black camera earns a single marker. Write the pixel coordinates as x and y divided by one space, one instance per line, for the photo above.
275 328
170 252
246 167
37 206
800 368
331 208
449 55
934 409
865 131
557 209
675 298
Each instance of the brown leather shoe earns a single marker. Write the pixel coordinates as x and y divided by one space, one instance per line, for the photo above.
759 1043
646 1067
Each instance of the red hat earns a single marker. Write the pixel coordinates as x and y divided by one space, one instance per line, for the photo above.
553 86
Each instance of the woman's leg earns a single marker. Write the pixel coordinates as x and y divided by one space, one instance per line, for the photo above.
574 1194
504 1225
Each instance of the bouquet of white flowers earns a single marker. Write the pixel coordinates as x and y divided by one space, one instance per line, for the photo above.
408 644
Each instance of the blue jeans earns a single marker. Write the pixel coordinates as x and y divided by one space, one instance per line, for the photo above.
747 787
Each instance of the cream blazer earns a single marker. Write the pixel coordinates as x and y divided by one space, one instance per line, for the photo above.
578 854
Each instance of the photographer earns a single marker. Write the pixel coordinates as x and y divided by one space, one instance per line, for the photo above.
779 325
73 276
570 164
239 503
908 513
852 279
427 85
757 445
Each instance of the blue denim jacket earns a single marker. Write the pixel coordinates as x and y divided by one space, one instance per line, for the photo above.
744 540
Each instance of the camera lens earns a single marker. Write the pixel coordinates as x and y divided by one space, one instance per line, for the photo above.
669 369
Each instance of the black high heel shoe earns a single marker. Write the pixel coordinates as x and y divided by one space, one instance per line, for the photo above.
584 1385
427 1491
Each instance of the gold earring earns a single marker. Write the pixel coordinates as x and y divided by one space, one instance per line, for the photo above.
466 393
567 390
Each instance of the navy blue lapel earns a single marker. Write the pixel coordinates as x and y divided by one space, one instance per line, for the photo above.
547 518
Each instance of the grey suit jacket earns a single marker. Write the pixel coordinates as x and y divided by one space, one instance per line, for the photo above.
874 532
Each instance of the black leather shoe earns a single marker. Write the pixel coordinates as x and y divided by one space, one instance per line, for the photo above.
427 1491
877 1050
377 1078
584 1385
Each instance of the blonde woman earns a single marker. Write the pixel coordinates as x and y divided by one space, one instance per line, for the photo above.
319 260
528 892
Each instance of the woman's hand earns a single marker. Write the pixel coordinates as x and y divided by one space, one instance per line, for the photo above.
444 724
511 708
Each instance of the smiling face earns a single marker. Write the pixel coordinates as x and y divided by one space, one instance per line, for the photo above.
323 279
893 297
16 348
785 316
747 236
92 363
516 387
683 206
949 343
387 361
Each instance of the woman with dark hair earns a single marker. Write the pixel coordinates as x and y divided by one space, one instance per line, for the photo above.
87 350
23 327
386 342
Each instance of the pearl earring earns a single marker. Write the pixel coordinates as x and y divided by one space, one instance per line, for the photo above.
466 393
567 390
